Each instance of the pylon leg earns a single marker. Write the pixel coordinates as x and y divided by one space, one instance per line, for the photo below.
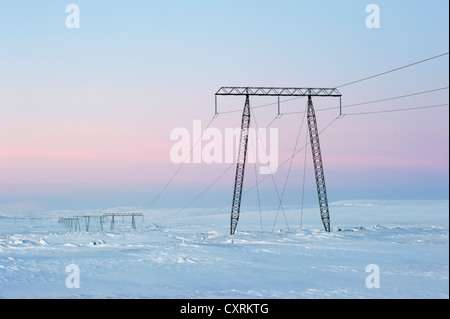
318 166
240 167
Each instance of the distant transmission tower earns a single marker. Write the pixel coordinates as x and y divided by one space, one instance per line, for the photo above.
313 133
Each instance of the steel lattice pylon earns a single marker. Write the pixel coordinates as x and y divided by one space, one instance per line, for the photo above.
240 167
318 165
313 132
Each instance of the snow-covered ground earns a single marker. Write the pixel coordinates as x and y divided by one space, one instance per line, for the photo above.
191 255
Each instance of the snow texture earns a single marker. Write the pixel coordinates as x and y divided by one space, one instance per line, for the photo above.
192 255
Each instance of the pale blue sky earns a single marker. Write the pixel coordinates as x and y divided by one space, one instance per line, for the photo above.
137 69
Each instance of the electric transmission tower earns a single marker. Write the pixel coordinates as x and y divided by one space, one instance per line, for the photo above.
313 133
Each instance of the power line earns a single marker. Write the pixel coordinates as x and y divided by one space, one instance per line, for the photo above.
397 97
273 180
257 193
399 110
375 101
340 86
289 170
306 144
267 176
179 167
347 84
304 180
219 177
393 70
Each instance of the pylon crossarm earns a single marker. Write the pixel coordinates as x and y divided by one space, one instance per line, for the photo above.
276 91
